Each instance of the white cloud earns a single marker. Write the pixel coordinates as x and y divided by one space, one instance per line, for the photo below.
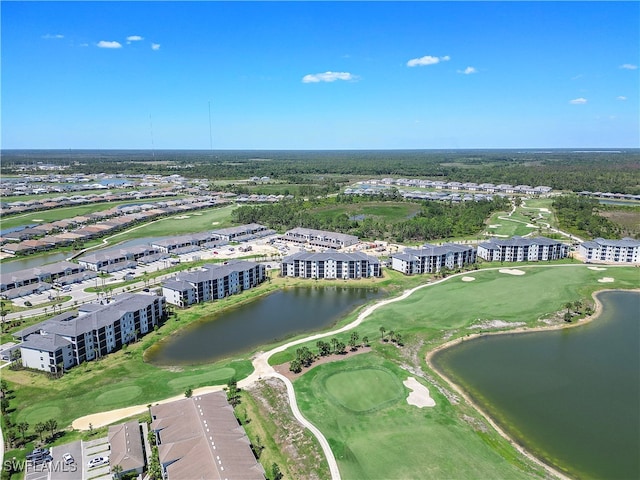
629 66
578 101
468 71
49 36
328 77
427 60
621 97
155 46
134 38
107 44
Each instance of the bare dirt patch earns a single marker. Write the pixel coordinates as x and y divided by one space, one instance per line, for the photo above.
491 324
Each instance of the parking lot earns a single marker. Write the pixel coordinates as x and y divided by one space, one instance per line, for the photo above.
81 452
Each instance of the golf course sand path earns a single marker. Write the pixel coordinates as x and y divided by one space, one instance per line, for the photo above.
263 369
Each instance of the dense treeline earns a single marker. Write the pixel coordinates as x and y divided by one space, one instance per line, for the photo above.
433 221
617 172
579 215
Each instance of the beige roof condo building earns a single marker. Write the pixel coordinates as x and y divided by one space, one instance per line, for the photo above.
125 441
199 438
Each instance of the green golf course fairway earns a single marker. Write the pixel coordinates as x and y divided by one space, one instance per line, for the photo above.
392 439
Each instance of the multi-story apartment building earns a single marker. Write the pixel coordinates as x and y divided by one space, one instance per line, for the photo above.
93 331
433 258
330 265
626 250
319 238
519 249
212 282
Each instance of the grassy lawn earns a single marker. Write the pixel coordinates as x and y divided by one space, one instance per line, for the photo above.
382 436
373 433
200 221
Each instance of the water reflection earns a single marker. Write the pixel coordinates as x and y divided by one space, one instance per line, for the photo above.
282 314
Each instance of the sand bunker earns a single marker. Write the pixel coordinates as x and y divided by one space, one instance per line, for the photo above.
37 220
606 280
419 395
215 223
468 279
181 217
597 269
196 213
511 271
495 226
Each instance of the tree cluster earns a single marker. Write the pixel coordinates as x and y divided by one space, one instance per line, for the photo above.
615 172
580 216
305 357
434 220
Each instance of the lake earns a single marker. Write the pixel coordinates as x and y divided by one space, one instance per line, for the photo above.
279 315
571 396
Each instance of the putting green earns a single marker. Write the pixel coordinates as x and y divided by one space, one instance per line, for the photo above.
208 378
364 389
41 414
118 395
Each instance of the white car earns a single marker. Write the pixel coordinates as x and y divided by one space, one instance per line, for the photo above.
68 458
96 462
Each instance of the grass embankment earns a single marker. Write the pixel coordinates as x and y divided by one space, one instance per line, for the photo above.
388 438
123 378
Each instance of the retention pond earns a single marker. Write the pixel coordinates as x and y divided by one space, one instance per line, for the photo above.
570 396
280 315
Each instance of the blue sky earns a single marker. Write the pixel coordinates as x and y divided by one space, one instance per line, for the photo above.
320 75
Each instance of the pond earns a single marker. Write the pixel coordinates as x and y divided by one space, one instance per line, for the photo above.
569 396
280 315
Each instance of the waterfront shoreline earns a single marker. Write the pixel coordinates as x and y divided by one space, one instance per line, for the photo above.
460 391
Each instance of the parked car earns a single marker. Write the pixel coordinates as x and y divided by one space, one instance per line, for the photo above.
43 459
38 454
68 458
96 462
28 304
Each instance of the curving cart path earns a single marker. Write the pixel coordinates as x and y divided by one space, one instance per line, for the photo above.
262 369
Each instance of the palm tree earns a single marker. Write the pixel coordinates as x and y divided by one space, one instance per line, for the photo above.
392 335
22 428
568 306
577 305
51 425
365 341
382 330
40 428
116 470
